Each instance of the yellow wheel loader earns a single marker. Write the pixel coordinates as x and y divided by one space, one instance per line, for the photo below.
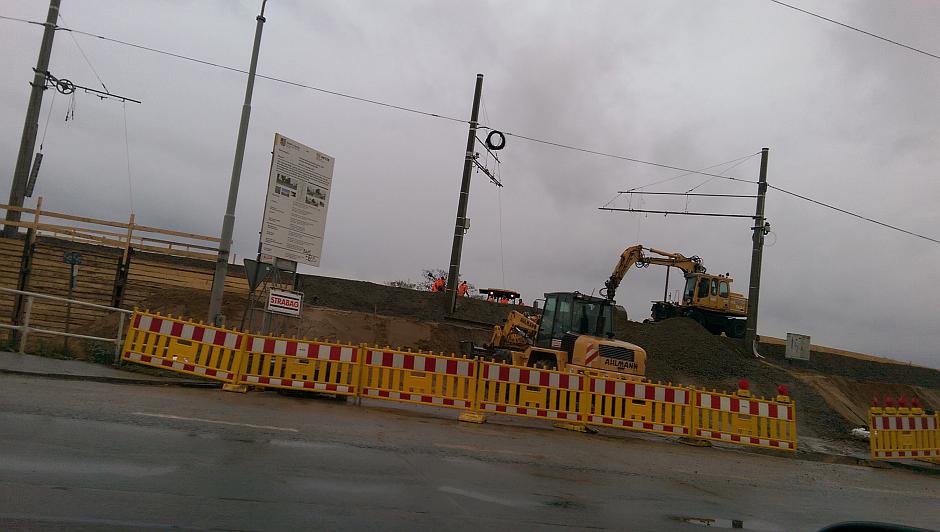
573 333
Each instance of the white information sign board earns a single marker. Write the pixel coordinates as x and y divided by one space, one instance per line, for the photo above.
298 197
797 346
284 302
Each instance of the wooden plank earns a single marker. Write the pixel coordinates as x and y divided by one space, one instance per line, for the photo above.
171 232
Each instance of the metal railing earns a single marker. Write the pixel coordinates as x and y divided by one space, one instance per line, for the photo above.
24 329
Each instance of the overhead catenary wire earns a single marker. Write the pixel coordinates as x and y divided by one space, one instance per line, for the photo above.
517 135
853 214
620 157
853 28
384 104
45 128
732 167
85 56
673 178
270 78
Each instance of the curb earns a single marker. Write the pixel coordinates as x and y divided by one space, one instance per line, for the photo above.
112 380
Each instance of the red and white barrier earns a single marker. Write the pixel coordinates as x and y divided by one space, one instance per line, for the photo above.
301 349
751 407
179 366
188 331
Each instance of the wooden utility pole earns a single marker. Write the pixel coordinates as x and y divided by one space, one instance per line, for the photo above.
753 293
31 125
460 227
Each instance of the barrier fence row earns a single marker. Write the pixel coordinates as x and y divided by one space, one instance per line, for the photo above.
474 386
903 433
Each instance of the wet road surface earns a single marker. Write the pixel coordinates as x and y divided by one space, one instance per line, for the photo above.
92 456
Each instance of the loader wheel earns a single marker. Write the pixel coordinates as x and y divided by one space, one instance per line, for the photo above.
502 356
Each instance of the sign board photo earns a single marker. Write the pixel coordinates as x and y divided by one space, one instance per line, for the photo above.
285 302
295 209
797 346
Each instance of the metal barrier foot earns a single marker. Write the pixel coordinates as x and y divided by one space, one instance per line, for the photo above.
472 417
238 388
577 427
694 442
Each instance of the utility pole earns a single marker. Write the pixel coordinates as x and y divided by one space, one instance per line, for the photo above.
460 227
666 288
753 293
31 126
228 223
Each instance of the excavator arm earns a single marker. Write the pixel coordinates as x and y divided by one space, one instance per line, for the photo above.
633 255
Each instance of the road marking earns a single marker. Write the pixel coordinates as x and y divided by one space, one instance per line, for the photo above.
215 421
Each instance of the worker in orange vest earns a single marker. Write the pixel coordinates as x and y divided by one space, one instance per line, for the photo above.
462 289
439 285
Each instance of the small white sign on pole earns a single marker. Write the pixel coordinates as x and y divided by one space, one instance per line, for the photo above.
285 302
797 346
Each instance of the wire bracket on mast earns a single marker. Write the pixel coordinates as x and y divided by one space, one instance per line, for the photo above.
64 86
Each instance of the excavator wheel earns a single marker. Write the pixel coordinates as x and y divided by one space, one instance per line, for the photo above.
698 317
736 328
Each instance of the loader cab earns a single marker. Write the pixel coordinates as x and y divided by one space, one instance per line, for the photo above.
573 312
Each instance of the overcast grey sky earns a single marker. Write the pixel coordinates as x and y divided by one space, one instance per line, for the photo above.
849 120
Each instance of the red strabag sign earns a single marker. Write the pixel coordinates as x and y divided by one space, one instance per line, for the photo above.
285 302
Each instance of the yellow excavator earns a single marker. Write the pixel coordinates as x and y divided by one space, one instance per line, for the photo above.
574 333
707 298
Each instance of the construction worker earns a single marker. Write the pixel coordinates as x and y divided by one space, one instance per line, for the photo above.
504 300
462 289
519 302
439 285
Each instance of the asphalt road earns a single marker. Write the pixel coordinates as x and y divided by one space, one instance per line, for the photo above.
83 455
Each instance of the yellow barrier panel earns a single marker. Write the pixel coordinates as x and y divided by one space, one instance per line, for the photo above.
903 433
488 387
742 419
418 378
530 392
183 346
646 407
301 365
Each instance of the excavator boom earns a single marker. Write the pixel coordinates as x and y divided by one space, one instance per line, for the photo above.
633 255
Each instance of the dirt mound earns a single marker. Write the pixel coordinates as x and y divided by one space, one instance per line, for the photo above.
320 322
682 351
855 368
362 296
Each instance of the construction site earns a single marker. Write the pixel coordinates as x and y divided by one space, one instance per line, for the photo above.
184 347
171 276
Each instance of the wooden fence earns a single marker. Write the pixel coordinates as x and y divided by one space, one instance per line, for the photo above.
122 264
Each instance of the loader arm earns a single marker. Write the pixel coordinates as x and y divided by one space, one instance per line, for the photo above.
516 332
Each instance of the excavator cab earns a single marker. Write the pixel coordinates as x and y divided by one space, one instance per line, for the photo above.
573 312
